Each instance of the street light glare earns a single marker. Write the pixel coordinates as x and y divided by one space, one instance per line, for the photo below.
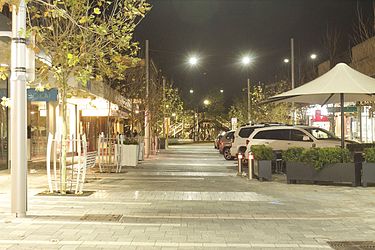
313 56
193 60
221 91
286 60
206 102
245 60
191 91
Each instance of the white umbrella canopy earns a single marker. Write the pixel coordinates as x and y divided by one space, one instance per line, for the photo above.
327 88
340 84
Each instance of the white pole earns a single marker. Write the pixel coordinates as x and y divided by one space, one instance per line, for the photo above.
248 101
147 122
292 61
292 75
18 112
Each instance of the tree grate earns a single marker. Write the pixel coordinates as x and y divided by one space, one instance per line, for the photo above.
102 217
352 245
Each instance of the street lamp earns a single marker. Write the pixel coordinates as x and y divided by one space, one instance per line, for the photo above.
286 60
191 91
245 62
193 60
206 102
221 91
313 56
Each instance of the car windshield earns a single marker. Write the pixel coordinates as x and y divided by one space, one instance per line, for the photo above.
321 134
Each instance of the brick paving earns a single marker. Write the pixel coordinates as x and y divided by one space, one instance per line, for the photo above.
187 197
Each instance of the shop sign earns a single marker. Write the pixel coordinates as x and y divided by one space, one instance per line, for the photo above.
350 109
42 96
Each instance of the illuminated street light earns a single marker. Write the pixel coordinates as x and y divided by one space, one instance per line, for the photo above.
221 91
286 60
313 56
206 102
193 60
191 91
245 60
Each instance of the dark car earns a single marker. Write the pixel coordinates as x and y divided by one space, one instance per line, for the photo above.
226 144
217 140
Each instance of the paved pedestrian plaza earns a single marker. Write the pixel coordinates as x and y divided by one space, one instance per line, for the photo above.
187 197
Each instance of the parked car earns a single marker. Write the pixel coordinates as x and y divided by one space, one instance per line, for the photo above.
242 134
226 144
284 137
217 140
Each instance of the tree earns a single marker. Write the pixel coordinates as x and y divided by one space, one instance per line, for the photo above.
262 112
330 42
216 107
83 40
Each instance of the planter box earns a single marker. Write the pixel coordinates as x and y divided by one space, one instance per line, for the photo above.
141 151
368 173
129 155
263 170
337 173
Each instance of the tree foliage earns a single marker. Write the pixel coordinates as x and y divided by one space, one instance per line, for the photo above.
82 41
262 112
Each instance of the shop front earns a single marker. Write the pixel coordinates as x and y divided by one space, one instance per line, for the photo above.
3 127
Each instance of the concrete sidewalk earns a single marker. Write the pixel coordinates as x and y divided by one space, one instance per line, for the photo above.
187 197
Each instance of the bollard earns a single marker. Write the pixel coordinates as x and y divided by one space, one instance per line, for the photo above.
250 162
239 164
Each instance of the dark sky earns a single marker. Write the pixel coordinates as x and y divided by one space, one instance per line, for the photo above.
219 32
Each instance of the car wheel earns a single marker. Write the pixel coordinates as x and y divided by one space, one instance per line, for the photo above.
227 155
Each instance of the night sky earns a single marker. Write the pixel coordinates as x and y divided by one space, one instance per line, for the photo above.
219 32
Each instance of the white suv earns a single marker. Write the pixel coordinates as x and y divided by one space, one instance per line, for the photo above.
284 137
241 135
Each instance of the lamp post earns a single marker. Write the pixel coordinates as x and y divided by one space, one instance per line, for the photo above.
313 58
18 111
193 61
245 62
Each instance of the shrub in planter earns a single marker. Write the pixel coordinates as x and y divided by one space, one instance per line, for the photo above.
321 157
359 147
262 152
263 157
131 141
368 167
293 154
322 164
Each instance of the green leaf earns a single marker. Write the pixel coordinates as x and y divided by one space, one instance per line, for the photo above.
97 11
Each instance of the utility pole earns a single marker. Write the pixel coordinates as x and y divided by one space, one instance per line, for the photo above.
18 113
147 110
248 101
292 76
292 60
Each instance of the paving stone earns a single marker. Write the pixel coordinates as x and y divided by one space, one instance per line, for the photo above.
188 197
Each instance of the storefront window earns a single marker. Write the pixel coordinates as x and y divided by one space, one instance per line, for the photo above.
37 129
3 127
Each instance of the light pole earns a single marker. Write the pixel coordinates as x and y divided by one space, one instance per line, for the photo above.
206 103
313 57
18 111
245 62
193 62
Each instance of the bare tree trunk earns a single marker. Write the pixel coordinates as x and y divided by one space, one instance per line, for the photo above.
63 140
